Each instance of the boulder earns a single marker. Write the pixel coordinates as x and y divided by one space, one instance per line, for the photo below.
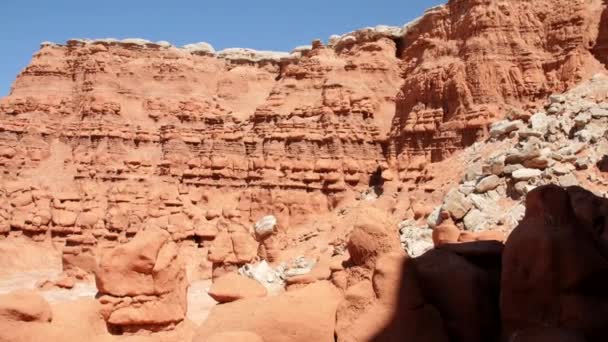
446 233
143 282
371 237
555 266
232 286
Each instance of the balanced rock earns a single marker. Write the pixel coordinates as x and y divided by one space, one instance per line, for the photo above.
143 282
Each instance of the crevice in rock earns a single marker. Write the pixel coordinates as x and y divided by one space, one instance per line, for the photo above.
600 50
376 182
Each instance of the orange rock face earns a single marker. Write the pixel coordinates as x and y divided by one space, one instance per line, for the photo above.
101 138
468 62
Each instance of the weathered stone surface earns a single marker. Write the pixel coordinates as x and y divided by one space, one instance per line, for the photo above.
488 183
525 174
143 282
457 204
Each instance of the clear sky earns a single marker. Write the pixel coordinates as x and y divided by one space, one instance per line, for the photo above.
262 24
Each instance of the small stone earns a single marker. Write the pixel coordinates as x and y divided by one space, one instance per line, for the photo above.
265 226
472 174
554 109
520 188
504 127
488 183
598 112
527 133
540 163
582 119
526 174
509 169
475 220
582 163
540 122
467 188
568 180
456 204
557 99
434 218
562 169
571 149
494 166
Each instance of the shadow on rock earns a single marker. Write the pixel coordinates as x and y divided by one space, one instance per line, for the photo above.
548 283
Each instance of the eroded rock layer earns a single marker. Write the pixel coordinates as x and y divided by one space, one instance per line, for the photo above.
99 139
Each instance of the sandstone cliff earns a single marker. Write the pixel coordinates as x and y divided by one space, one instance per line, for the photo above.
101 138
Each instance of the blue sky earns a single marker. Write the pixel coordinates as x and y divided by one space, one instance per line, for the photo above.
263 24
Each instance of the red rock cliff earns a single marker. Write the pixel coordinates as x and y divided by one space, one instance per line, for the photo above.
100 138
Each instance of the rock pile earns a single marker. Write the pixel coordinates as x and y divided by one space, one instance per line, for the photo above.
561 145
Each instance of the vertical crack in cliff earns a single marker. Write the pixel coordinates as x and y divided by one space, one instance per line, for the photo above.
600 50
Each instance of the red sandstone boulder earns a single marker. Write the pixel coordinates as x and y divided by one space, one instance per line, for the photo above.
371 237
302 315
446 232
143 282
232 286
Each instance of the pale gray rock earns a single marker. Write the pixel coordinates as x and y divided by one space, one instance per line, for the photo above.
265 226
457 204
509 169
526 174
518 156
488 183
434 218
415 240
554 109
504 127
598 112
540 122
199 48
467 188
495 166
582 163
557 99
527 133
568 180
250 55
475 220
571 148
582 119
561 169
